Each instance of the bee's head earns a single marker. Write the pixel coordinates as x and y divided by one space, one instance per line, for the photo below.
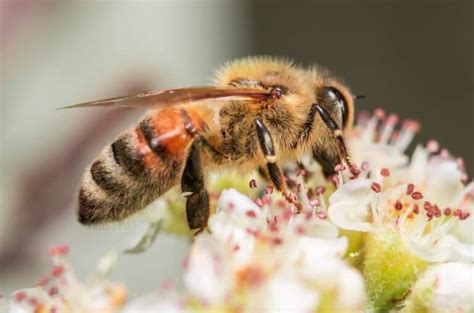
334 97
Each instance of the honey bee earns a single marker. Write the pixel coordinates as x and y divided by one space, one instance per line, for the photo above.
261 113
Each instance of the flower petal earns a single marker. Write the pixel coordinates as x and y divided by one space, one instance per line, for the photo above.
351 216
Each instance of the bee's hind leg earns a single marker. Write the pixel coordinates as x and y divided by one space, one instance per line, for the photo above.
192 183
274 171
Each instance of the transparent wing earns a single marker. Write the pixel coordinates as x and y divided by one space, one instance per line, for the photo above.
155 99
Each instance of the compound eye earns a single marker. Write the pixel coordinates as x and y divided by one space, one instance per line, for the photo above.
338 100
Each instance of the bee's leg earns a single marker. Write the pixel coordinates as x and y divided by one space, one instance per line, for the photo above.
338 136
262 171
274 171
327 162
192 183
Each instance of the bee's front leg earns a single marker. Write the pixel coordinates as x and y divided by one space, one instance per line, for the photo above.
275 173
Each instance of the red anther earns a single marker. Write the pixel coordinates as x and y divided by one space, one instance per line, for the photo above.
269 190
273 227
436 211
308 215
20 296
253 183
392 119
53 291
339 168
355 172
412 125
322 215
427 205
429 214
464 215
277 241
33 301
457 213
398 205
251 213
410 189
300 229
259 202
385 172
301 172
57 270
320 190
335 180
416 209
43 281
444 154
432 146
447 212
417 195
376 187
379 113
315 202
460 164
287 214
365 166
59 250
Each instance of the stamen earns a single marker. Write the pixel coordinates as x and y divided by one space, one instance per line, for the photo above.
253 183
447 212
432 146
376 187
417 195
385 172
410 189
387 131
398 205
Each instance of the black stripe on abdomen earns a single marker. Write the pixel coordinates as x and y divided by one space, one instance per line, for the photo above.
152 140
104 177
127 158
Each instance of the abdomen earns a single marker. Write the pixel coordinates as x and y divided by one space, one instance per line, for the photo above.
138 167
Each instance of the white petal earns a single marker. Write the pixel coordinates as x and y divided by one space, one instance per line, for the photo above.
439 251
337 280
461 251
357 190
234 202
447 287
350 215
310 251
284 293
156 302
443 185
207 275
418 165
232 231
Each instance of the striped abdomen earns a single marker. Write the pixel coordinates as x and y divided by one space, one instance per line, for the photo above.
138 167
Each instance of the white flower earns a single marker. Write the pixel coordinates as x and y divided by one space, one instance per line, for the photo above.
284 292
425 201
207 274
445 287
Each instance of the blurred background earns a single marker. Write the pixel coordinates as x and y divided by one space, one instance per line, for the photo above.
415 58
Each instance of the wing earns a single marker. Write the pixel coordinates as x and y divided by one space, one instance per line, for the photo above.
155 99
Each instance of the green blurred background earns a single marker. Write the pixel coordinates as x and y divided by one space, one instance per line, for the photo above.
414 58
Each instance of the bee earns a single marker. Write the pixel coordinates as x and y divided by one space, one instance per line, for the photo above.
260 113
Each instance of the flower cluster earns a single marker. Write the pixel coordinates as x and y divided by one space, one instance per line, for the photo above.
61 291
399 237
